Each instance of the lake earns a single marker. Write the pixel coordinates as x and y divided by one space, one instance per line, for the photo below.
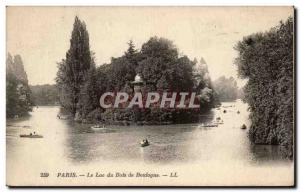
200 155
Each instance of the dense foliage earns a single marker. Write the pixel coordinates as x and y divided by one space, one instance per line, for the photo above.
266 60
72 70
18 94
45 94
226 88
158 63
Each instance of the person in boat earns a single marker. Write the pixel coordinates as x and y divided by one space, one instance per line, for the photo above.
34 132
30 134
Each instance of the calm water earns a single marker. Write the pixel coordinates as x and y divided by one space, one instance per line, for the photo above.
70 144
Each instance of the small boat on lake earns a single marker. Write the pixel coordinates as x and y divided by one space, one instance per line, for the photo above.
98 127
244 126
144 143
210 125
31 136
62 117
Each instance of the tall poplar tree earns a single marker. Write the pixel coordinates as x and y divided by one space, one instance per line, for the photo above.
75 67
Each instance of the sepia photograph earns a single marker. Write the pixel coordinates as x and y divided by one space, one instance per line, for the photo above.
152 96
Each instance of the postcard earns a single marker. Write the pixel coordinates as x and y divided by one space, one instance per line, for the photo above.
150 96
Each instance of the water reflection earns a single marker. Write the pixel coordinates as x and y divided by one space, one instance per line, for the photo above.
75 143
266 153
119 143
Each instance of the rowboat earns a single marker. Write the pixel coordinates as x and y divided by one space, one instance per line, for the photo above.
144 143
98 127
244 126
31 136
210 125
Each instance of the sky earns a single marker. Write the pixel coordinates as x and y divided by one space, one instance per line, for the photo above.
41 35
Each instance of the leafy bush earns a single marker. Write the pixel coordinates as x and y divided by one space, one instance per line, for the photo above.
266 60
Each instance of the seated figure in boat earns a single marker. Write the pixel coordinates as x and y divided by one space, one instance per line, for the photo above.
145 142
